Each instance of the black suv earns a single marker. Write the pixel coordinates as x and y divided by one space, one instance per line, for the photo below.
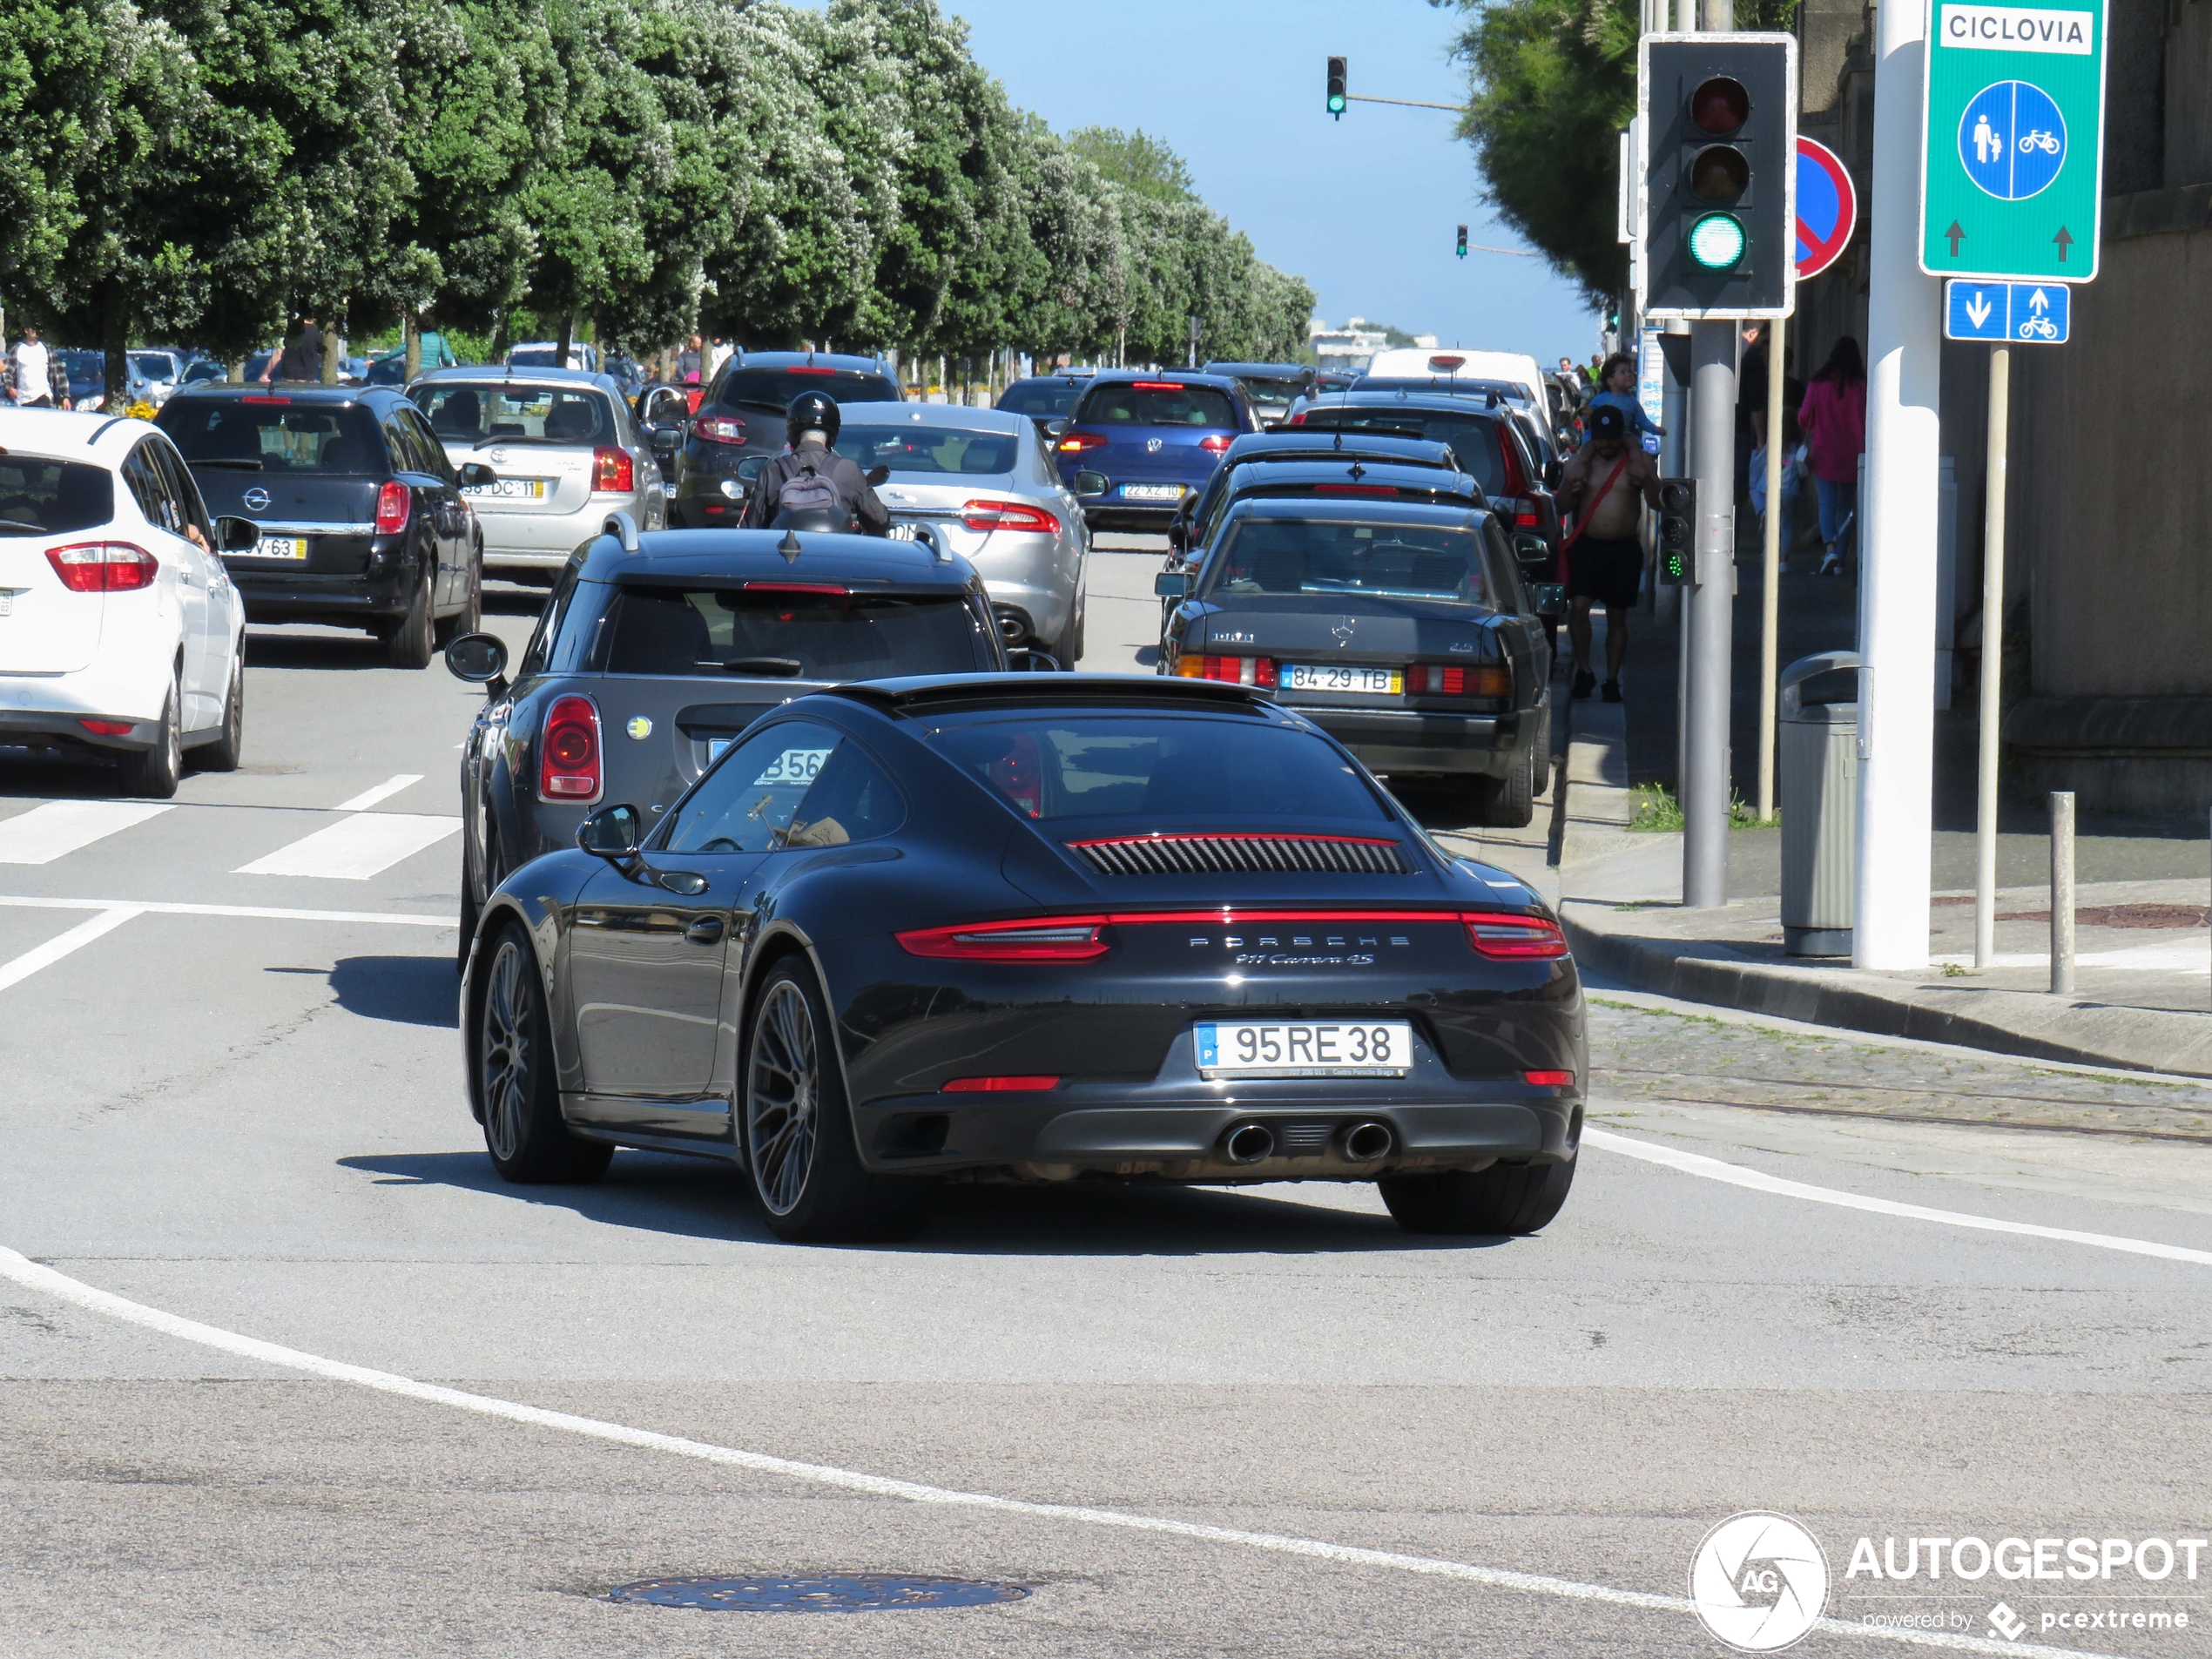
363 520
740 420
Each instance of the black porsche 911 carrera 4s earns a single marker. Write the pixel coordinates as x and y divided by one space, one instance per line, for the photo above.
1033 927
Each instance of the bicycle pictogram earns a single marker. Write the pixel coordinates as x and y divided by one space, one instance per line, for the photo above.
2039 328
2048 143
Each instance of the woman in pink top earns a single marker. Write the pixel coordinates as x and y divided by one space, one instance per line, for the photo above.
1834 419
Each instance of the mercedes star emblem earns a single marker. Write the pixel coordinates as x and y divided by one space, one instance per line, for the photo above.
256 499
1343 632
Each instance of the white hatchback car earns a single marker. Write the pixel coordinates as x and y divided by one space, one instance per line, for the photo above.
120 632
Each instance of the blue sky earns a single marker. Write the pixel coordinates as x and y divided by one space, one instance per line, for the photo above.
1362 208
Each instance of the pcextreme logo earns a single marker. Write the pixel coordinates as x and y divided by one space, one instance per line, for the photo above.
1759 1582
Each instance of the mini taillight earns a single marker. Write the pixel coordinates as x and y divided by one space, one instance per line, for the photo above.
393 502
1076 443
613 472
1045 939
718 428
1509 937
103 567
998 1085
1236 671
1550 1079
1215 443
1007 515
568 761
1478 679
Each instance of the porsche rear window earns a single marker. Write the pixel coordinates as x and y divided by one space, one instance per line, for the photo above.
1333 557
1155 768
1139 403
793 635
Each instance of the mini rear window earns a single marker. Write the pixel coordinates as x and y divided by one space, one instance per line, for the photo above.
1155 768
798 636
923 448
1043 397
274 435
1332 556
774 389
488 412
1473 438
53 497
1139 403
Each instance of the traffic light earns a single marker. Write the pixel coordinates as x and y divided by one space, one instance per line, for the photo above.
1677 529
1337 92
1719 120
1463 242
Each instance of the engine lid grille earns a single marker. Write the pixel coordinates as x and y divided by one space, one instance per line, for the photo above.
1168 855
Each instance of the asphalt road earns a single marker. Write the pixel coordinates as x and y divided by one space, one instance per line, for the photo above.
1202 1423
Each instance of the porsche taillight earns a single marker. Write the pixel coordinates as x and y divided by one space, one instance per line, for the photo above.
1044 939
1506 936
569 760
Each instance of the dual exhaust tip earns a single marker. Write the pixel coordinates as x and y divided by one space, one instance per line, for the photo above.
1364 1142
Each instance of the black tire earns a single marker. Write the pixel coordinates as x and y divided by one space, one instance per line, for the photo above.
1508 802
470 617
1542 753
153 772
225 754
797 1127
512 1084
1504 1198
412 641
1070 649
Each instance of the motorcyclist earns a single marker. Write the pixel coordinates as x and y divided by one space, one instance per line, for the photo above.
810 486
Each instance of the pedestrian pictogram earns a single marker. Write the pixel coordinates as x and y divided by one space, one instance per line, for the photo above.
1827 208
2019 313
2011 165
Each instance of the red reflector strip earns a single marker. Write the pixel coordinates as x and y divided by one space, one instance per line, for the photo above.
1550 1079
1241 835
998 1085
265 400
107 728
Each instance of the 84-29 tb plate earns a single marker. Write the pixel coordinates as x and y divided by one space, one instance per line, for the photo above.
1305 1048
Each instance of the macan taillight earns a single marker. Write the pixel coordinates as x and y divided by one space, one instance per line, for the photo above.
569 764
103 567
1502 935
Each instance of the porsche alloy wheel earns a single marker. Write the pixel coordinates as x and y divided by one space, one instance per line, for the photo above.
783 1097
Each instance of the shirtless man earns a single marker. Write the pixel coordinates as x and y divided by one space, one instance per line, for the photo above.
1604 554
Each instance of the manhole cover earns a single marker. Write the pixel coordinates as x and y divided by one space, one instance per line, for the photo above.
2124 915
835 1592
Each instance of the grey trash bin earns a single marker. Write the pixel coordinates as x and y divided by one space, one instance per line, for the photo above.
1819 779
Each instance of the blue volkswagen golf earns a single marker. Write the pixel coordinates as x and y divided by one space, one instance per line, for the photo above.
1138 443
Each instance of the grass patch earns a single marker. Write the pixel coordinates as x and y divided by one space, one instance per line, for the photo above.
1952 970
1657 810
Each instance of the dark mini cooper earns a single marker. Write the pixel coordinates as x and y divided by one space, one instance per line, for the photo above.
1405 631
1046 928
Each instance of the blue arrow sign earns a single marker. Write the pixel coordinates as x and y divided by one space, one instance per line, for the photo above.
2021 314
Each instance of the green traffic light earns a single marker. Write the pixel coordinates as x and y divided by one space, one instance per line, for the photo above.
1717 242
1336 104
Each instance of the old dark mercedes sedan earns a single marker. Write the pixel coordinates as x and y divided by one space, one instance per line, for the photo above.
1046 928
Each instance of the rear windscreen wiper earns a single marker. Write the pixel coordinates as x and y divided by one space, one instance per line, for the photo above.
18 524
782 668
241 464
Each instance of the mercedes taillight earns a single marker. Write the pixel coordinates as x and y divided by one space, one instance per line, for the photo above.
568 768
1455 679
103 567
1236 671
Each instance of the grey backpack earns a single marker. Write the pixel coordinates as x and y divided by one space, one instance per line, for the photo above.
809 489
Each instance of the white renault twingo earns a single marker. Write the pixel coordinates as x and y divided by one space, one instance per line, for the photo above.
120 632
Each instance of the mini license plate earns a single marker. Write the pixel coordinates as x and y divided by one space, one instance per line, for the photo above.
1305 1048
280 547
509 489
1152 492
1332 677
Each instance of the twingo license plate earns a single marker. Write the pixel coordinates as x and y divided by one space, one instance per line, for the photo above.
1343 676
1305 1048
280 547
1152 492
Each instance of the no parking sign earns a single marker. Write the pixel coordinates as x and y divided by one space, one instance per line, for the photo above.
1827 208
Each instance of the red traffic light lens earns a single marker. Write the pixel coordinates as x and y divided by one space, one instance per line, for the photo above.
1720 105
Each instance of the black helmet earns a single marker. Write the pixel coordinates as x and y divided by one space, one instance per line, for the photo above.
811 412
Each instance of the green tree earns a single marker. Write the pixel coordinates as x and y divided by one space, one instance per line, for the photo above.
1136 161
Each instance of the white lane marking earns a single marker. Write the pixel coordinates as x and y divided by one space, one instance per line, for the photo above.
1759 1181
35 1275
45 955
47 833
383 791
253 912
354 848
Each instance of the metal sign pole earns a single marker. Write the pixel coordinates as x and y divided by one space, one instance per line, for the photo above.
1705 793
1770 590
1992 656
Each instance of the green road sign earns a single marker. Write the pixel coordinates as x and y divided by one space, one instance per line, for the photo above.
2011 156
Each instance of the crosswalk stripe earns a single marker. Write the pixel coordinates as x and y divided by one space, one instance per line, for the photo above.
383 792
59 827
53 950
354 848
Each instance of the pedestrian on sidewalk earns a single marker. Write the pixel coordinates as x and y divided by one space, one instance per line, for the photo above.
1602 553
1617 382
1834 418
41 382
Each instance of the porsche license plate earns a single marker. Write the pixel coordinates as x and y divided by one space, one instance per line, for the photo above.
1305 1048
507 489
1152 492
1332 677
280 547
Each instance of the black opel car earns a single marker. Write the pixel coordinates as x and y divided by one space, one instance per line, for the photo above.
363 520
740 423
1041 928
1404 630
651 659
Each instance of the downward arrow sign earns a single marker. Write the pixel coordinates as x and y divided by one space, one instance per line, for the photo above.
1978 309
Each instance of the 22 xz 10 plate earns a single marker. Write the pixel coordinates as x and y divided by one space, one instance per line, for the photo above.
1305 1048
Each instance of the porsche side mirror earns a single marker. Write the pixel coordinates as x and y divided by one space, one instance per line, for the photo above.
1173 584
612 832
477 659
234 535
475 474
